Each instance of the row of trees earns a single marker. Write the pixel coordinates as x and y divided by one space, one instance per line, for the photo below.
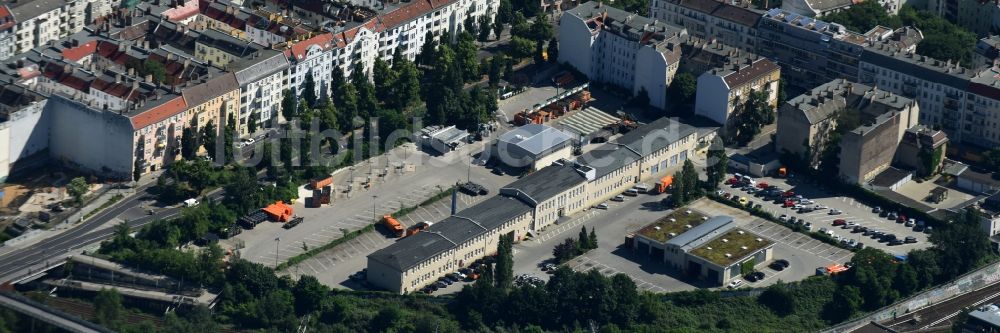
570 248
686 186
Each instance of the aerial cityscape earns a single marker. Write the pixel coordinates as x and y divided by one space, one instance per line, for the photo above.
499 166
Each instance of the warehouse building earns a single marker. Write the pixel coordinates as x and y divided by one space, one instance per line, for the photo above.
713 249
553 192
448 245
639 155
533 146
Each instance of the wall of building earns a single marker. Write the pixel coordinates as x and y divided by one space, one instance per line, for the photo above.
108 147
712 98
564 204
653 73
863 156
575 43
26 133
547 160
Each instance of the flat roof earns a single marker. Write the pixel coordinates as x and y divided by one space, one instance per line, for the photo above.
534 139
675 223
889 177
989 314
733 246
636 144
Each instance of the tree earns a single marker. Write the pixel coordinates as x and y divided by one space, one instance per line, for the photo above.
228 134
845 303
406 91
682 89
905 280
485 25
750 117
505 13
498 29
108 310
520 48
679 193
276 310
863 17
367 103
209 136
692 190
385 80
252 122
778 299
470 26
309 89
427 51
541 29
565 251
189 141
309 294
717 164
553 50
991 158
519 26
289 109
496 69
592 239
76 188
504 271
584 241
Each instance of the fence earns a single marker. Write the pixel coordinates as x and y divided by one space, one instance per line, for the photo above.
969 282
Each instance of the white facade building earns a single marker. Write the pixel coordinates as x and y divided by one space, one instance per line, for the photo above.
262 79
37 22
612 46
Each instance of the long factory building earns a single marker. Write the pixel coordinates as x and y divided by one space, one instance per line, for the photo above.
532 203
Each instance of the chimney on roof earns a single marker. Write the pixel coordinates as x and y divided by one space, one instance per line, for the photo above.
145 44
118 78
149 78
131 71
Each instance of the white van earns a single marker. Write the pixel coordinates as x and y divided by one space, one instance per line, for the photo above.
191 202
642 188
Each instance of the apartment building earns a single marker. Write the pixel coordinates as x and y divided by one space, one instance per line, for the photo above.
806 122
626 50
710 20
222 15
27 24
219 48
212 101
261 77
313 56
962 102
267 28
24 133
724 91
986 52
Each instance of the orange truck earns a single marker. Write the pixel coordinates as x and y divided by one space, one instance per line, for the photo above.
664 184
320 183
393 225
417 228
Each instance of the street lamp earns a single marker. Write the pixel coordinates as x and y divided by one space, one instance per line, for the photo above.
469 176
277 240
374 213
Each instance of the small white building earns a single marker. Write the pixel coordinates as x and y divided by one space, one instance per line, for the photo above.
615 47
533 145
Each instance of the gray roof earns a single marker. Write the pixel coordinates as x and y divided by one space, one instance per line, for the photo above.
989 314
822 102
28 9
636 144
534 139
889 177
546 183
451 134
450 232
827 5
262 64
933 70
702 233
627 25
229 44
215 87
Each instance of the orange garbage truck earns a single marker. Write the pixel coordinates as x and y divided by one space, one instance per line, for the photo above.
393 225
664 184
278 211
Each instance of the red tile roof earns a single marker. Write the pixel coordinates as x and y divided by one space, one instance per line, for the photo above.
410 11
299 50
159 113
74 54
183 12
6 18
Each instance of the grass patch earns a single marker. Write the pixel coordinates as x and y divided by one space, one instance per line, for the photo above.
114 199
672 225
739 243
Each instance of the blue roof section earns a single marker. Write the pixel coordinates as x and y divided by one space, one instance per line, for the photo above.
702 233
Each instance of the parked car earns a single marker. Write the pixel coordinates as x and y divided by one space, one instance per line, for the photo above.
857 229
783 218
735 284
631 192
910 223
839 222
779 265
877 210
603 205
928 229
834 212
895 242
808 226
618 198
911 239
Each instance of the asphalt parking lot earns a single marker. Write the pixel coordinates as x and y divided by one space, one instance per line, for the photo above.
852 211
334 267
